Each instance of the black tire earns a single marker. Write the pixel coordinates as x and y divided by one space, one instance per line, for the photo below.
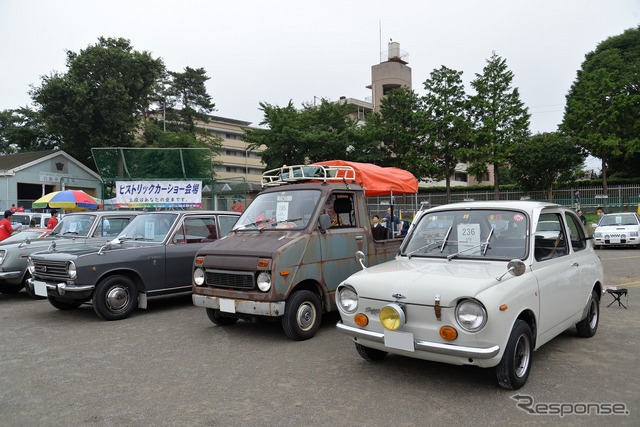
219 319
513 370
596 247
64 305
11 289
588 326
370 354
115 298
30 292
302 315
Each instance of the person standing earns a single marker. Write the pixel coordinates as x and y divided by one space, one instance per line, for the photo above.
583 219
53 221
392 223
6 229
576 200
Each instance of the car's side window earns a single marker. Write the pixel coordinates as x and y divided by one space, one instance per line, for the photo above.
550 239
576 235
197 230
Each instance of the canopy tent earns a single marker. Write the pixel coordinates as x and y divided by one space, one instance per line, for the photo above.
377 180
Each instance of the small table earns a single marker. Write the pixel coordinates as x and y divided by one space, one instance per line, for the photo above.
617 294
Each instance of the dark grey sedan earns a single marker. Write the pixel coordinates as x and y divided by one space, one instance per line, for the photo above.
152 256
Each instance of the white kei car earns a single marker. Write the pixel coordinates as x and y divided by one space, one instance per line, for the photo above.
617 229
482 287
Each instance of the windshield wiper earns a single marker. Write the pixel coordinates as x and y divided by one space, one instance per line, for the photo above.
479 245
446 237
425 247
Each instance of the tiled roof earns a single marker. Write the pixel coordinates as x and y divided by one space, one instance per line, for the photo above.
10 161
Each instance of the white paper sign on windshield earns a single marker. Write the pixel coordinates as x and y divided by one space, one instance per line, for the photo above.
469 239
282 211
149 230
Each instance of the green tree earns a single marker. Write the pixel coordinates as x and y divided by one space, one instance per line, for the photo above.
501 121
546 159
98 102
447 125
603 104
398 131
310 134
187 91
22 129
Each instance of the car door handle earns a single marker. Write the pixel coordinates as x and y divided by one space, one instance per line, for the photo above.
358 237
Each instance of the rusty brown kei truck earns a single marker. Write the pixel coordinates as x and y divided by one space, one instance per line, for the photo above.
294 244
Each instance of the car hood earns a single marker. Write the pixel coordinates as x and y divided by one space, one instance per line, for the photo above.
250 243
420 280
610 228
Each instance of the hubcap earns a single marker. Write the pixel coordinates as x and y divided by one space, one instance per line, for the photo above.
593 314
522 355
117 298
306 315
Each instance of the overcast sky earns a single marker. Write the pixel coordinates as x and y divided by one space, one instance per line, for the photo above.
276 51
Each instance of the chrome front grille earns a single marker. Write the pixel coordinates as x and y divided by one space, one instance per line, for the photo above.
50 270
230 279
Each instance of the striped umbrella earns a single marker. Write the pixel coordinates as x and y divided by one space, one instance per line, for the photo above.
67 199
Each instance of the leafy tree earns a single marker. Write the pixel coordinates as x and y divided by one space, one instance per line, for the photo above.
398 131
311 134
545 160
187 91
448 127
603 104
23 130
501 121
98 101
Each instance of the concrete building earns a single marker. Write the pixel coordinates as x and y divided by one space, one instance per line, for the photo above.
25 177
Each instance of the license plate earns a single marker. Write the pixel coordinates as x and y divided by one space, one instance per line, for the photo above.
40 288
399 340
227 305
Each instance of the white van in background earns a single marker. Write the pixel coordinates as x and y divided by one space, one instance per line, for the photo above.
31 219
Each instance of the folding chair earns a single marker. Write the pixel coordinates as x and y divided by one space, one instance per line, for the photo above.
617 294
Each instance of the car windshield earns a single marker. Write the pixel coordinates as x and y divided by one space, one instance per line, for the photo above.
74 226
279 210
149 227
479 233
618 220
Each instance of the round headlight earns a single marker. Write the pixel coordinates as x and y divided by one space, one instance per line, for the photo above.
392 317
347 300
30 266
471 315
264 281
71 270
198 276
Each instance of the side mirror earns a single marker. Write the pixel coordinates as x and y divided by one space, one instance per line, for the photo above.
516 267
324 222
360 258
594 225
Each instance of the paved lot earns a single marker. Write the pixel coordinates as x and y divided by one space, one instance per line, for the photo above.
170 366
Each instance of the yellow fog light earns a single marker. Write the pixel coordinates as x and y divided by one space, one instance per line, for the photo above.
392 317
448 333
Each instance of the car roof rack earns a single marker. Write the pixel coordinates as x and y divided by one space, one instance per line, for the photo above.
301 173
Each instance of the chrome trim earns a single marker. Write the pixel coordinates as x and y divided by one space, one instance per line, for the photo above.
426 346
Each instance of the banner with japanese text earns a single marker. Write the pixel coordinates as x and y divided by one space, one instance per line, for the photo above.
158 194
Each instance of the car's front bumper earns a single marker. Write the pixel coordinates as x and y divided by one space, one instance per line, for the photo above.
226 305
10 277
41 288
628 241
422 348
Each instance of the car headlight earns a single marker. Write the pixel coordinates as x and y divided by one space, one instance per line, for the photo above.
471 315
71 270
598 235
347 299
198 276
30 266
2 254
264 281
392 317
633 234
